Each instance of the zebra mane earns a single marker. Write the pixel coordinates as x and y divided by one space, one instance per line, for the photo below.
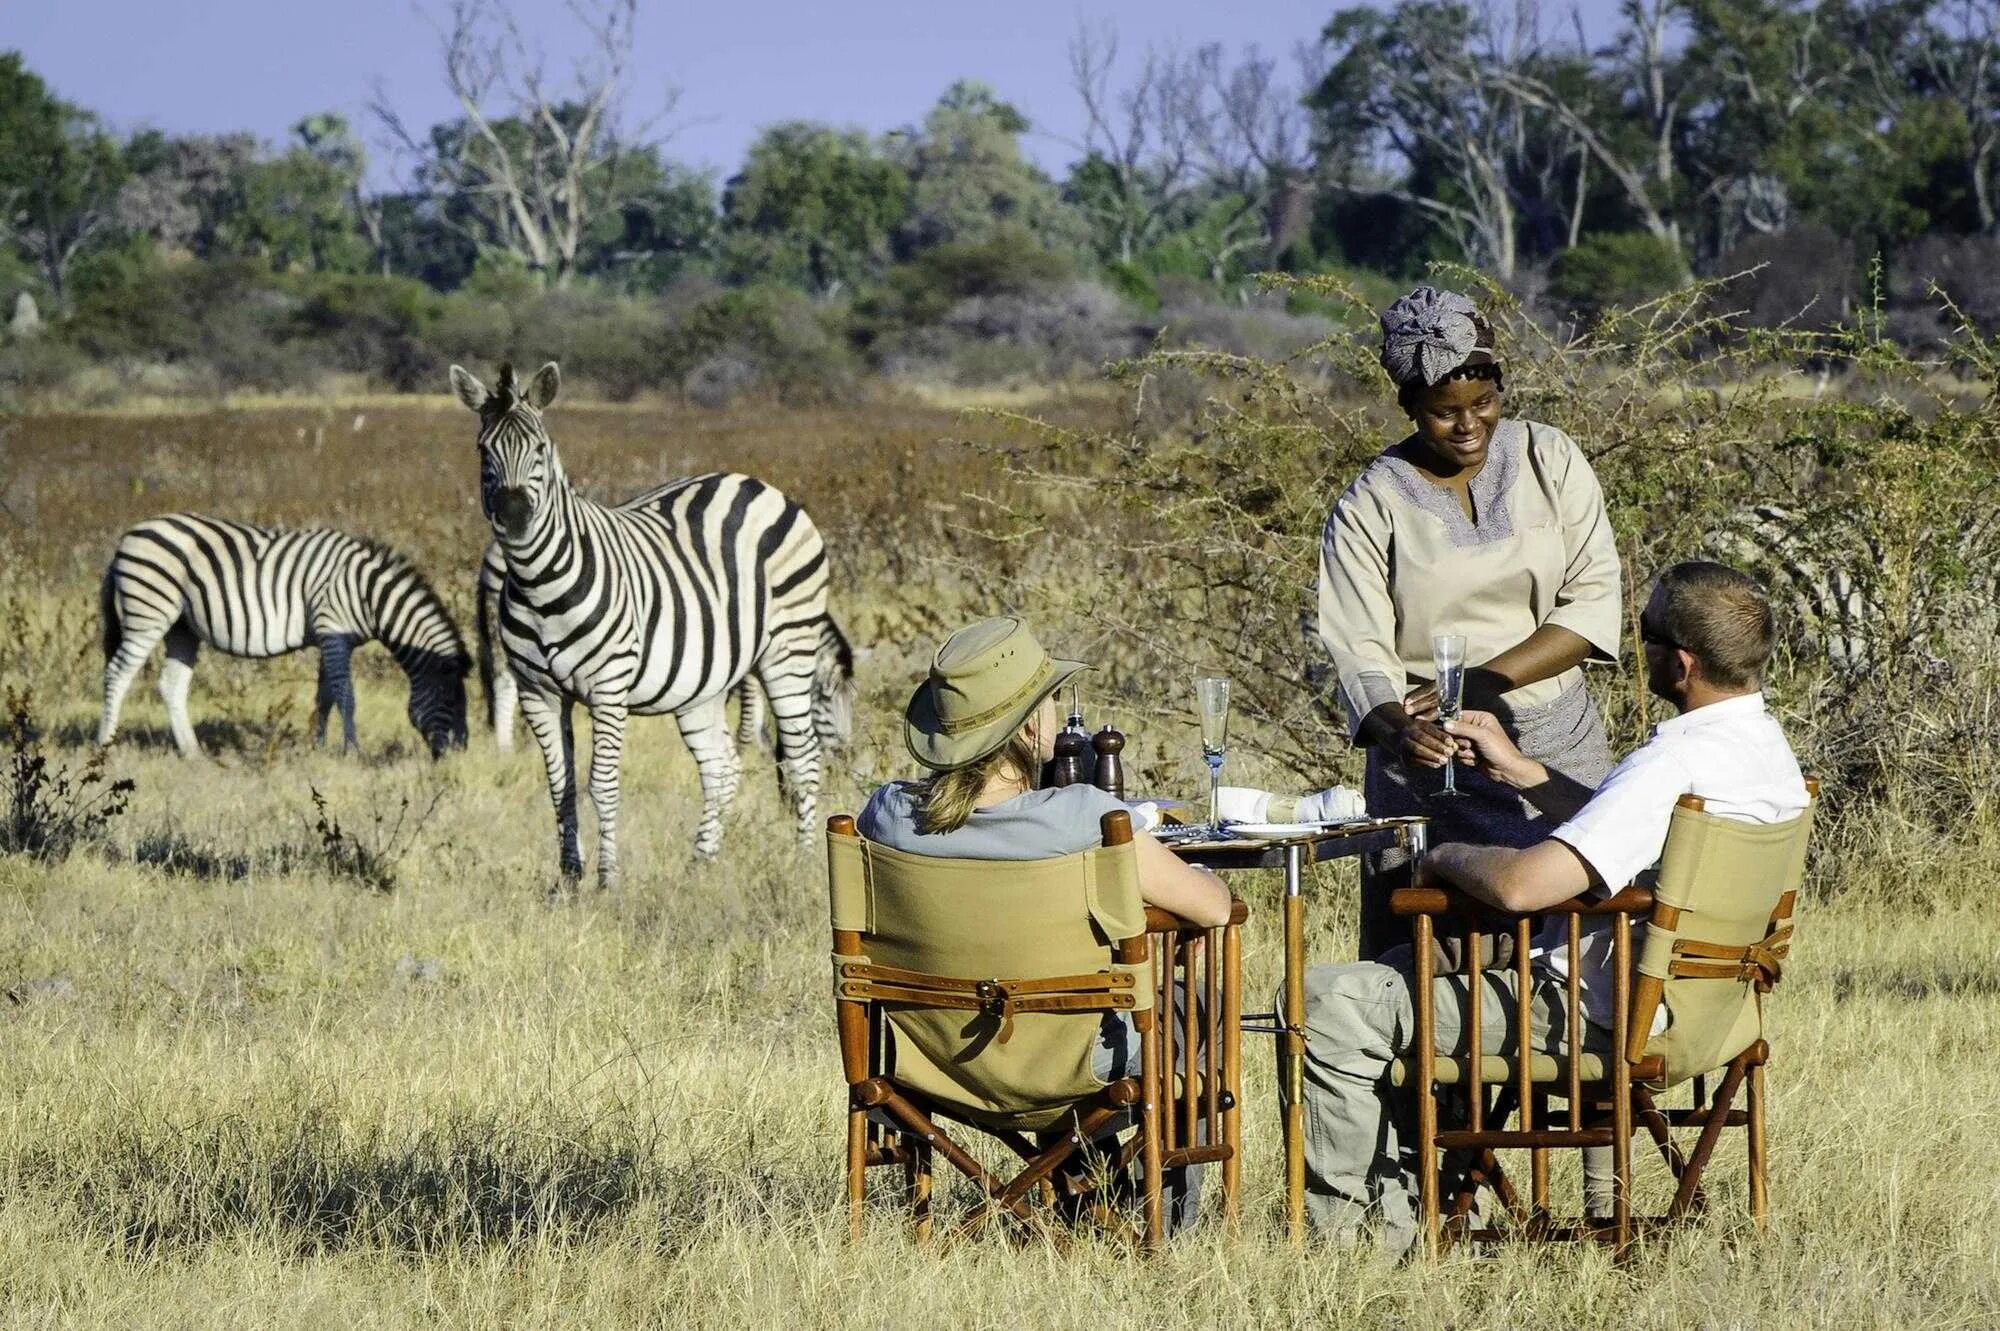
401 564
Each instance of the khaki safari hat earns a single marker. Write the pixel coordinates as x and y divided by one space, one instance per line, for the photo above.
985 682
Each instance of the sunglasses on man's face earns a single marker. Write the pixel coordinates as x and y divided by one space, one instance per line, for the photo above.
1654 637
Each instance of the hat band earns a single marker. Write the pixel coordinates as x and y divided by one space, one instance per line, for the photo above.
992 714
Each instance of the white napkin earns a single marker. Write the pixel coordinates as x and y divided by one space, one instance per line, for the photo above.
1145 816
1242 804
1246 804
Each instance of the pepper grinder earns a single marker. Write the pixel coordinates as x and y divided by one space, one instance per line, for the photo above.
1072 743
1110 774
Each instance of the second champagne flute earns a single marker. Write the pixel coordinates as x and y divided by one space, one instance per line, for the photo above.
1212 701
1448 658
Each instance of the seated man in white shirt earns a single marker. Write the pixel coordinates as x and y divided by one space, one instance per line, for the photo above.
1708 633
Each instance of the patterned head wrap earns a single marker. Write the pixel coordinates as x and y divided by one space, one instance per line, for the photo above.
1428 334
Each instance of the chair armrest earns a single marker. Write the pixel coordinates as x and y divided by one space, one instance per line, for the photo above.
1450 901
1166 922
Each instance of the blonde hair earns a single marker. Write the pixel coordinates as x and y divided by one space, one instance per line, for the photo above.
946 799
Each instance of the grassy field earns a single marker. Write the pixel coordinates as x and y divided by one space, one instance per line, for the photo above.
241 1087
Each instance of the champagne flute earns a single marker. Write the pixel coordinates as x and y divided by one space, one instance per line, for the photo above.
1448 658
1212 694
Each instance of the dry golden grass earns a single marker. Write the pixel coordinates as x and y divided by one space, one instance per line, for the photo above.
241 1089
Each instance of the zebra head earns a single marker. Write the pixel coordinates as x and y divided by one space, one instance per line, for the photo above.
437 701
518 466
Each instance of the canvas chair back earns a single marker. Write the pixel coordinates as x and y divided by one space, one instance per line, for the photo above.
1011 1063
1717 937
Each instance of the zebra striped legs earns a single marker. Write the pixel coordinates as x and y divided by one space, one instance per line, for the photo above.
607 747
798 754
176 672
336 689
751 712
549 719
705 728
504 691
120 672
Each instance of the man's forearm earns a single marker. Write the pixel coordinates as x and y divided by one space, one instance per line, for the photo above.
1514 881
1471 869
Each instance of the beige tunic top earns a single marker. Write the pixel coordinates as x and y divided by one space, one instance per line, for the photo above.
1399 560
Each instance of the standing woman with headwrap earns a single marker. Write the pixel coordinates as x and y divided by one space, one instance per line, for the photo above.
1479 524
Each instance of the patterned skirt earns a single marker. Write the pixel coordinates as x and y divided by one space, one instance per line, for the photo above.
1567 736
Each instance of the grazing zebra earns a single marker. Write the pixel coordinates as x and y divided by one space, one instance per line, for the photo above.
503 692
262 592
659 605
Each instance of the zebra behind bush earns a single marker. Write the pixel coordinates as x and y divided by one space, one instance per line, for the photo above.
661 604
262 592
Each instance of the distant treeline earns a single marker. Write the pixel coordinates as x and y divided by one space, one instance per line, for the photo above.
1848 147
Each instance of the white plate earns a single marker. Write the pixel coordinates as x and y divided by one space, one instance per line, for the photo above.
1274 829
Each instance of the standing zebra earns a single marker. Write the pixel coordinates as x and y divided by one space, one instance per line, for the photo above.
262 592
503 692
659 605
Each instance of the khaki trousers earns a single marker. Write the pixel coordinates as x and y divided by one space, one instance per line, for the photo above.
1360 1134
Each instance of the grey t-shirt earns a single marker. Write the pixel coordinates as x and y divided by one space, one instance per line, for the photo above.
1039 825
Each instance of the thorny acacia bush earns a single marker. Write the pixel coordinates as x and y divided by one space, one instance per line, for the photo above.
1864 499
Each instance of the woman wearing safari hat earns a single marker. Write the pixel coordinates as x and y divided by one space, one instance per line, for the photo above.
984 722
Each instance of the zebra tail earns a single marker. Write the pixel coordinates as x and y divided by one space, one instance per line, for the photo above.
833 684
107 605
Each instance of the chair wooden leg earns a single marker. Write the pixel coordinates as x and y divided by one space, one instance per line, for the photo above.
1760 1202
1427 1109
1687 1197
917 1182
1152 1112
1648 1112
1232 1074
1621 1090
857 1170
1538 1163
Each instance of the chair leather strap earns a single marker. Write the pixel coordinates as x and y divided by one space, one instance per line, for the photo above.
1101 991
1761 963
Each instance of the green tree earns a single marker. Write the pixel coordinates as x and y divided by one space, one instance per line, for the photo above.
663 224
59 174
294 211
1615 268
813 206
969 180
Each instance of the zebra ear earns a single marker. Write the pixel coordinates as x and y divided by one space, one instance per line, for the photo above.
543 388
470 391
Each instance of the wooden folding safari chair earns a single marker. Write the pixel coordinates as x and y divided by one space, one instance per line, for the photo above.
972 991
1718 928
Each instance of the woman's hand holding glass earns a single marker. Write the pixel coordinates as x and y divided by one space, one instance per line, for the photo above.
1419 738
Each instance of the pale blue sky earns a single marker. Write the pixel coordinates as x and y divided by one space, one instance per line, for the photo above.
215 65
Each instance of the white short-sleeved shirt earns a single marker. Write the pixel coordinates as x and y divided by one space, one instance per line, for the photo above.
1731 753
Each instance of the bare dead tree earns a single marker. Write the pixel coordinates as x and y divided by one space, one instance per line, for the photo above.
1142 137
1648 181
1961 60
1432 84
527 159
1254 145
